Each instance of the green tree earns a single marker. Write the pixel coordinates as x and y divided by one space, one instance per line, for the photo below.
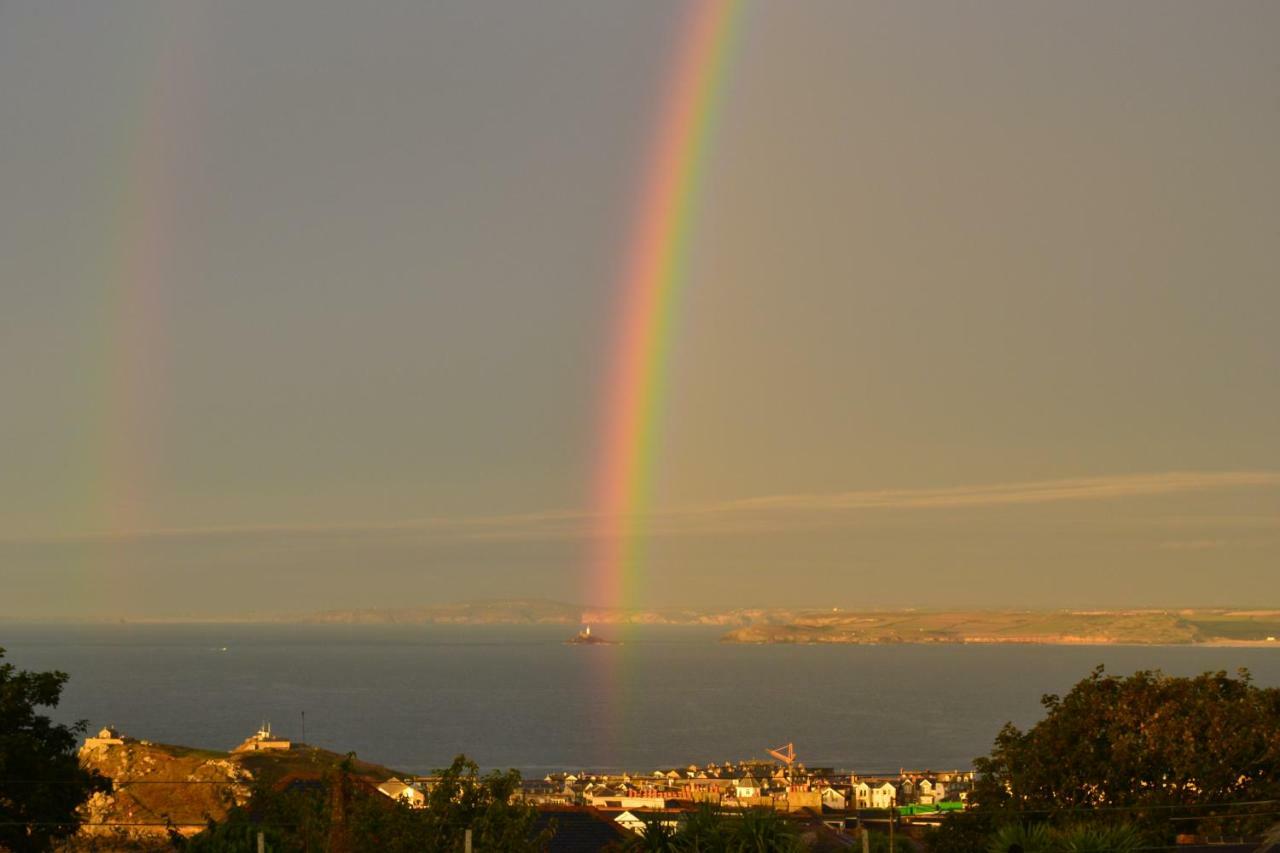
339 813
1145 740
712 830
1141 750
761 831
1072 838
961 832
41 781
659 836
459 799
1099 838
704 831
1019 837
293 818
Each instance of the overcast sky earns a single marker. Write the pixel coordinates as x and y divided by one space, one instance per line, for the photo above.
307 304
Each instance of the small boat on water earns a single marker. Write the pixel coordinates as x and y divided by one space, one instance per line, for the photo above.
586 638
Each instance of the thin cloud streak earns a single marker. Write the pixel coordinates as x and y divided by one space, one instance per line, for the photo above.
768 513
1004 494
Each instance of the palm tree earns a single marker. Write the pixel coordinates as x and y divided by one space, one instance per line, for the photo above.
1022 838
659 837
1095 838
761 831
704 831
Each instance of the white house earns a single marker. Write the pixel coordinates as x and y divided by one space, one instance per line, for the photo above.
633 821
883 796
747 787
834 798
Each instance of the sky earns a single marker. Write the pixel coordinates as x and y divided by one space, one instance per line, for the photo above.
310 304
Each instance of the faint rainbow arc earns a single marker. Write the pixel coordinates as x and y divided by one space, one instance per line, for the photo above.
124 345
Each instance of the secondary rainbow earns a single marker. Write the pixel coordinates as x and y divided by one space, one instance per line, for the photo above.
655 272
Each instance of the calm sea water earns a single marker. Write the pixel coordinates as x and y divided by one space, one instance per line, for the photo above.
413 697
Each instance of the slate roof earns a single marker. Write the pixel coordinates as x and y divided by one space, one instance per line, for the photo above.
581 830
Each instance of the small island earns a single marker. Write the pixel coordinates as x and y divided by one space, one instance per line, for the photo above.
586 638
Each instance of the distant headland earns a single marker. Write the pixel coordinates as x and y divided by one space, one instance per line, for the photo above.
1191 626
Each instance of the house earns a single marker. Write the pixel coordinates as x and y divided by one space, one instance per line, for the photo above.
580 830
747 787
834 798
261 740
634 820
409 794
867 796
107 736
623 800
929 792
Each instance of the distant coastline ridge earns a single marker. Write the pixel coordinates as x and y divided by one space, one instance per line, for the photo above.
1137 626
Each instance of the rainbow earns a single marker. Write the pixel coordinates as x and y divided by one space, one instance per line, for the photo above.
655 272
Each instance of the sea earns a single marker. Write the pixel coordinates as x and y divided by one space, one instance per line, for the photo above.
413 697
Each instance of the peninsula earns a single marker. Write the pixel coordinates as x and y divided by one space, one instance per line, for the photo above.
1065 627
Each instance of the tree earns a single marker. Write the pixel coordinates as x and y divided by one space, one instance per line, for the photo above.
704 831
339 812
459 799
659 836
762 831
1072 838
41 781
712 830
1147 744
1116 759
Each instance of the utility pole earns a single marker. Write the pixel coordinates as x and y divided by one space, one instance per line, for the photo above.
262 842
893 818
466 841
304 726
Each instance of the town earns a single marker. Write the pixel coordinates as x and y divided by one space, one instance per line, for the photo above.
824 802
1174 792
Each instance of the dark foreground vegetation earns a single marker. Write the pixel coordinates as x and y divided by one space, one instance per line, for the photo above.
342 813
1118 765
41 782
1121 763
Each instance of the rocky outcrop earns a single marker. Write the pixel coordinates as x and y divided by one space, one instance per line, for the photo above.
157 788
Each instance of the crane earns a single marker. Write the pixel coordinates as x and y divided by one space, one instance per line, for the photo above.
786 754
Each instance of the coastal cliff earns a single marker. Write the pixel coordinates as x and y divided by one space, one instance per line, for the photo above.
155 787
1138 627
